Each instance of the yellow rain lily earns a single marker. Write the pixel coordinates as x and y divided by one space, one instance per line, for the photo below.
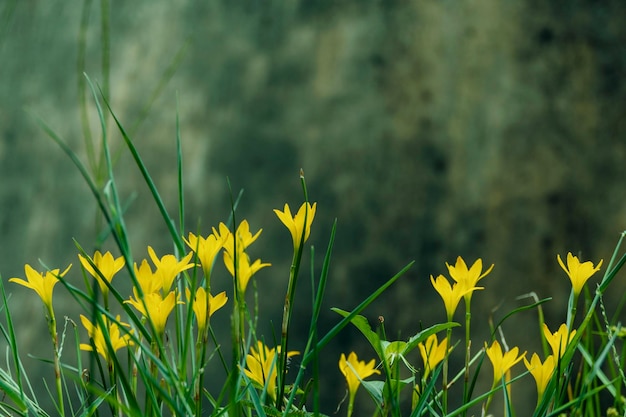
295 224
98 336
450 294
432 352
542 372
148 280
468 277
355 371
204 305
261 364
500 361
42 283
245 269
168 267
207 248
106 265
578 272
157 308
558 340
244 237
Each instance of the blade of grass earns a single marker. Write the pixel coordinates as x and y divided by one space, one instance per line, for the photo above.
149 182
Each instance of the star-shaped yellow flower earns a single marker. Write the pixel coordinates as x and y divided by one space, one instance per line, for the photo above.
113 334
106 264
204 305
148 280
468 277
295 224
261 367
207 248
42 283
450 294
542 372
355 371
432 352
244 237
157 309
578 272
502 362
168 267
558 340
245 269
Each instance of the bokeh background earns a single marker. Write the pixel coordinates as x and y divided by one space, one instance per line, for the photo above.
429 129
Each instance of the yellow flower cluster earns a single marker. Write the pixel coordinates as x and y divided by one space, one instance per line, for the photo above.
154 296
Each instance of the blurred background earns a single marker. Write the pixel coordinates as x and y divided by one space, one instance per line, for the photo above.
429 129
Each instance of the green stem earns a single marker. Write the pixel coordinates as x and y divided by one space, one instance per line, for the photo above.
287 309
468 318
289 298
444 391
52 328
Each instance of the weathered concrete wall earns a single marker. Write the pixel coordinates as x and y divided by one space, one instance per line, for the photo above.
430 129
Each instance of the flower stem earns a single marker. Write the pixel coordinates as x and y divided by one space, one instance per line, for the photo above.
52 328
468 318
444 391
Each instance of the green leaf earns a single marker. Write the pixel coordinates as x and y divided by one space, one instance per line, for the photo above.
375 390
361 323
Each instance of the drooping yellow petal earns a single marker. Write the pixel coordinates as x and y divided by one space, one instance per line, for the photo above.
542 372
578 272
296 224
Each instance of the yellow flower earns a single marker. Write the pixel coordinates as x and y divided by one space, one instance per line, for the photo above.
578 272
244 237
468 278
558 340
432 352
261 367
207 248
245 269
204 305
157 308
106 264
148 280
295 224
98 336
542 372
168 267
355 371
502 362
450 294
42 283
